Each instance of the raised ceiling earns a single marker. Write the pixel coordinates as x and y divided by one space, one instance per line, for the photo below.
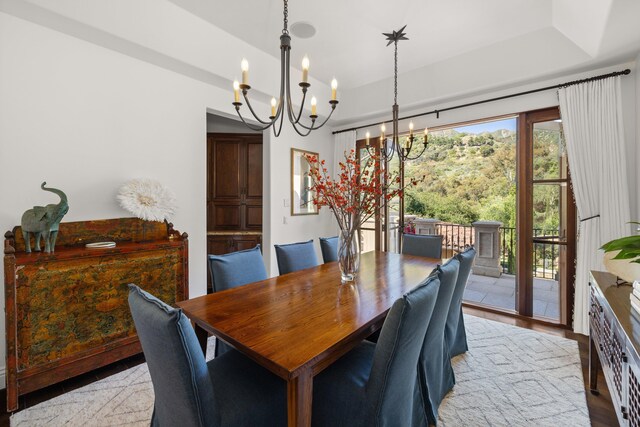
349 45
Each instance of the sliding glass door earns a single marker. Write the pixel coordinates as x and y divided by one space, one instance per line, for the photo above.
509 174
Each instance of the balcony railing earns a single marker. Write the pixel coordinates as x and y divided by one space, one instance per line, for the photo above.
456 237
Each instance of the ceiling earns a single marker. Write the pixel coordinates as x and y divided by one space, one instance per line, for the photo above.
349 44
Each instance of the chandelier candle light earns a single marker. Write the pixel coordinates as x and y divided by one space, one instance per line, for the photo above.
283 102
388 148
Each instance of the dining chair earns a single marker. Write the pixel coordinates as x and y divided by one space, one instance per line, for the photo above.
229 390
377 384
422 245
455 334
295 256
435 370
329 248
232 270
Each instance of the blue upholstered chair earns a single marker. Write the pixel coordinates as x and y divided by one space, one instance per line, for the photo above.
422 245
455 334
233 270
329 248
236 269
230 390
435 371
377 384
295 256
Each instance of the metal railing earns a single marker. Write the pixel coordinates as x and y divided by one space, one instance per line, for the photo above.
456 237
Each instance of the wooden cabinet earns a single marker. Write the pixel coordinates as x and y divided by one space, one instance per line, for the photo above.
234 193
614 335
67 311
234 184
219 244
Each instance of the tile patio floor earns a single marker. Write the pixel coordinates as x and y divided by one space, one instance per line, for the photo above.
500 292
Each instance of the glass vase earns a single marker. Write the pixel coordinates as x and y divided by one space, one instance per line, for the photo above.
348 255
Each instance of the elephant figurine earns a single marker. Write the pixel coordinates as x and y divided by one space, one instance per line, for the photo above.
43 222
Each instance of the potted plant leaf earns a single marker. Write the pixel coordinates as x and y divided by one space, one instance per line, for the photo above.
622 257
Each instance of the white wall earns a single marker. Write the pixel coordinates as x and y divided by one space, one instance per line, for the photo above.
86 119
221 124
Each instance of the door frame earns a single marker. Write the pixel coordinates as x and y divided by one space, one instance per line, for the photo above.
524 222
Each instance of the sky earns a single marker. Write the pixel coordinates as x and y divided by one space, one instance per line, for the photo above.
509 124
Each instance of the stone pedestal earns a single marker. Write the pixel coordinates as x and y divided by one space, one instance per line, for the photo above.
426 225
487 243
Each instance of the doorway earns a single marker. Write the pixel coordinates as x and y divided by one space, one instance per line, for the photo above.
234 188
511 171
546 220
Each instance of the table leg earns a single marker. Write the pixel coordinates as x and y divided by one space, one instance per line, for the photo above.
594 361
299 399
202 336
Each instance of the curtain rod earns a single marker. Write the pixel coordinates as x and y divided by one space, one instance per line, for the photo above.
484 101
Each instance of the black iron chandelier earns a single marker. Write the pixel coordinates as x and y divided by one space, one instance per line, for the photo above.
405 148
283 102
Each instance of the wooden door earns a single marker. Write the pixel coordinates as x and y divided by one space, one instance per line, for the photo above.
234 187
225 184
546 253
253 184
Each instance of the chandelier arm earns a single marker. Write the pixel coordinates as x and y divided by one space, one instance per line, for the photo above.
304 96
255 116
287 89
309 129
385 153
251 126
277 133
408 157
313 127
281 100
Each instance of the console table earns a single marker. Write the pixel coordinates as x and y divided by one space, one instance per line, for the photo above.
67 311
615 345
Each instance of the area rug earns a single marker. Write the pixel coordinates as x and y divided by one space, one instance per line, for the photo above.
510 377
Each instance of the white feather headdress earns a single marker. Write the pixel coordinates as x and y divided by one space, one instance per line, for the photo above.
147 199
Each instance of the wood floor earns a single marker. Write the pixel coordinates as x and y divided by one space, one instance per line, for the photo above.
600 407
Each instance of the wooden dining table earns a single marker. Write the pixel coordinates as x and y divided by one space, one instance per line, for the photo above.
297 324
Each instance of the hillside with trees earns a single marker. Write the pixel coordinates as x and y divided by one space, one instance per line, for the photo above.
470 177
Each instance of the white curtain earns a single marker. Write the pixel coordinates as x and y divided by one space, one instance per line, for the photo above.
344 143
592 122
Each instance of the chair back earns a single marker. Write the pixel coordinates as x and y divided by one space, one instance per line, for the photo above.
236 269
455 334
422 245
295 256
329 248
181 383
391 389
436 373
232 270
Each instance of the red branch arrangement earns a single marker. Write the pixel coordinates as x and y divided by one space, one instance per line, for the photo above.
358 190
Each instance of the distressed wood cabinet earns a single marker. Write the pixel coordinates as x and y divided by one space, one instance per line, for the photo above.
614 332
67 311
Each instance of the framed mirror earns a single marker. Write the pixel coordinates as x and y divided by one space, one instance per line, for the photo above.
301 195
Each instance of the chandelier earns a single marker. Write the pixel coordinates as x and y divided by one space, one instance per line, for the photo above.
405 148
283 102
